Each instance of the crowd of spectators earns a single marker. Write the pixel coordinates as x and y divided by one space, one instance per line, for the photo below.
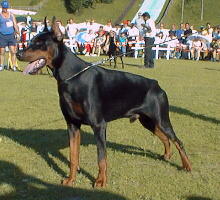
92 39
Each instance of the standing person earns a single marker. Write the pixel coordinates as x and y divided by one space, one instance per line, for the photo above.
149 32
28 20
123 43
8 30
138 22
71 29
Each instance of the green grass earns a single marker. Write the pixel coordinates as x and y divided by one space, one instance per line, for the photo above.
34 143
192 12
24 2
101 12
104 12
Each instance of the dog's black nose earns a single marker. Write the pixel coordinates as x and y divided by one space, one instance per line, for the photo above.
19 55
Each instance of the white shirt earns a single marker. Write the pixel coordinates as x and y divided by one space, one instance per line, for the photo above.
151 24
40 28
89 37
107 28
72 29
164 31
158 40
62 29
172 42
28 19
138 23
94 27
133 32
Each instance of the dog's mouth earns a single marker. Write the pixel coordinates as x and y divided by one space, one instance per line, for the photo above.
34 66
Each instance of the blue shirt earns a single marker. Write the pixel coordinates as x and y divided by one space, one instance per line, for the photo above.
6 25
179 33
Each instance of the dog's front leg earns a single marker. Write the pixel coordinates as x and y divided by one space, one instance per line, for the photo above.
115 61
74 142
100 135
122 62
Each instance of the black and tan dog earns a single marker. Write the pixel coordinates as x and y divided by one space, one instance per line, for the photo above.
97 96
113 50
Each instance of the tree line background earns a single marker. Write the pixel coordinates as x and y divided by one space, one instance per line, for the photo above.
74 6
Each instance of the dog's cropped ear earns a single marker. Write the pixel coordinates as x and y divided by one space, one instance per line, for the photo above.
56 30
45 25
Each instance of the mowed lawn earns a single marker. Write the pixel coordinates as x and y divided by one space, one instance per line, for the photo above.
34 143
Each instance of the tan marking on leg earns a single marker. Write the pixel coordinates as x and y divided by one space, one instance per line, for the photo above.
102 176
184 158
165 140
78 143
74 159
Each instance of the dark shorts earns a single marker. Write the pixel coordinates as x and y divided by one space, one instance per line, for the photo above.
7 40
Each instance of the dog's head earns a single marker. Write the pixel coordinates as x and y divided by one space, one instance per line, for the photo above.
42 48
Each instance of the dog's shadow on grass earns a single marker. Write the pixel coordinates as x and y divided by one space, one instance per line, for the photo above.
29 187
48 143
183 111
197 198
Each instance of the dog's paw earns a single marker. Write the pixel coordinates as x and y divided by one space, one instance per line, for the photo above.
67 182
187 166
167 156
100 183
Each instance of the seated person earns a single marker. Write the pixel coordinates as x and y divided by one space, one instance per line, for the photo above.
196 48
214 47
173 42
89 40
160 40
98 43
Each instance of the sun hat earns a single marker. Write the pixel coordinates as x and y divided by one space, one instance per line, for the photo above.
5 4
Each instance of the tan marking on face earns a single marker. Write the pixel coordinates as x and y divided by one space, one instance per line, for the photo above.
31 55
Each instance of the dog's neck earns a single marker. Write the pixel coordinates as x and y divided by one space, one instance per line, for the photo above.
66 64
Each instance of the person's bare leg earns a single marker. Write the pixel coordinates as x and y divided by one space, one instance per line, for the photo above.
13 51
2 54
198 54
192 53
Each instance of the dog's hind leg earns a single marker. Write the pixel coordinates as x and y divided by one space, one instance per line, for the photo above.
149 124
165 140
156 119
164 129
168 131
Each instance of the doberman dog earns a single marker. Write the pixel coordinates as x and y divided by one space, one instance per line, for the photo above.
113 50
94 96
